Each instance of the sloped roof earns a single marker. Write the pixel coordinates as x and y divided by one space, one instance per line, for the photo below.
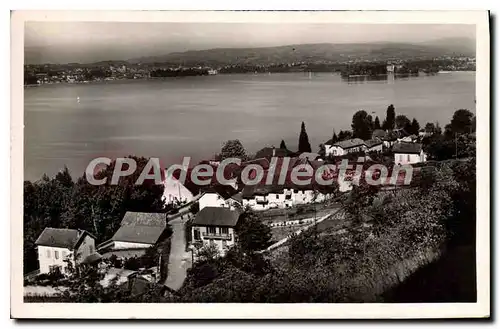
132 218
119 274
379 133
372 142
225 191
407 148
217 216
350 143
238 197
138 234
267 152
60 237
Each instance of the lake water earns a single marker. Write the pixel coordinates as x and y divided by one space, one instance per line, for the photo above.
193 116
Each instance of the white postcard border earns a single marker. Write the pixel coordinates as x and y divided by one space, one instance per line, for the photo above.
266 311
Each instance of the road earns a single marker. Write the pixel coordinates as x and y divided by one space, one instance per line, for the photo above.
179 259
299 231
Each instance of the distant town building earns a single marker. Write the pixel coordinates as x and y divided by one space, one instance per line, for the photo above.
345 147
408 153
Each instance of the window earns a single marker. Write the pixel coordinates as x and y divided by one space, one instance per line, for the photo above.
197 234
64 254
48 253
277 196
91 249
224 230
408 158
56 254
211 230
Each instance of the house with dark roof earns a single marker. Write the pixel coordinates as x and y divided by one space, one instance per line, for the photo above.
58 247
138 230
214 226
374 145
343 147
408 153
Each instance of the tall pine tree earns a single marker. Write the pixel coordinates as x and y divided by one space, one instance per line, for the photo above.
414 127
335 139
376 124
283 145
304 145
390 120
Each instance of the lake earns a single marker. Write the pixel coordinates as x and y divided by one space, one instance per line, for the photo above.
193 116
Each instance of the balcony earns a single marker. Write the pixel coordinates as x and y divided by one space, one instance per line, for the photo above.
217 236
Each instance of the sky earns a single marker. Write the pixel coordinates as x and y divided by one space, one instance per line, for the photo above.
86 42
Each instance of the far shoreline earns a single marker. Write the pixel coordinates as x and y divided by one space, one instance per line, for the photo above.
240 74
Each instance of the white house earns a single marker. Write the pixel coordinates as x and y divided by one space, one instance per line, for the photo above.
224 196
138 230
344 147
408 153
175 191
215 226
58 246
264 197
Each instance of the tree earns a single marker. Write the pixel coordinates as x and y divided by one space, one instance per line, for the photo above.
461 123
233 149
430 128
414 127
304 145
253 234
283 145
208 253
343 135
335 138
361 125
376 124
402 122
390 120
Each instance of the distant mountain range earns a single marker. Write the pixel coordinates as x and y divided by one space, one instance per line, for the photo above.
316 52
303 53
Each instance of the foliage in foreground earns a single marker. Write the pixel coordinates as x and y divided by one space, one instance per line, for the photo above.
407 226
60 202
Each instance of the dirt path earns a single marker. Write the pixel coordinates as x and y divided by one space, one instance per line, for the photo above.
179 260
